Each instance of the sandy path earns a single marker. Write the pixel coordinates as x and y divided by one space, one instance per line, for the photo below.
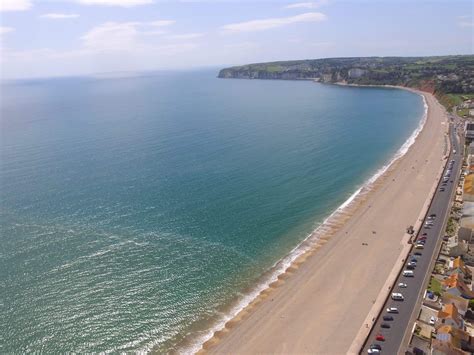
320 307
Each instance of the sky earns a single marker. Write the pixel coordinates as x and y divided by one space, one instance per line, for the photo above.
46 38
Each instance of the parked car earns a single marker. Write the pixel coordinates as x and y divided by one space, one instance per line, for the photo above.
402 285
373 351
380 337
432 320
375 346
385 325
387 318
397 296
418 253
392 310
408 273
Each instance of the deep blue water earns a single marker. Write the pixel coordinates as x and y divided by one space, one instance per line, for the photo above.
134 209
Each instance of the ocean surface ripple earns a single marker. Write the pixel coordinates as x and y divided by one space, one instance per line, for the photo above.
137 212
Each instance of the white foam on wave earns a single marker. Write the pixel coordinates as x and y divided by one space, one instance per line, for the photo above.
282 265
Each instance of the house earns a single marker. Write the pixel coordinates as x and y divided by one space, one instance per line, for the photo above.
449 315
456 248
465 235
468 188
469 256
457 266
461 304
455 286
453 341
471 149
469 135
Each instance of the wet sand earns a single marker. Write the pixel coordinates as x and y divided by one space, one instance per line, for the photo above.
319 305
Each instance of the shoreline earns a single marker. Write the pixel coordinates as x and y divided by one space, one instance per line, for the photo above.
286 267
310 321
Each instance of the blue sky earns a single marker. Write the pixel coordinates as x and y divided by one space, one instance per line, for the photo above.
40 38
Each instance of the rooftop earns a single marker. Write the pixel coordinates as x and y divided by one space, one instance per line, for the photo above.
448 311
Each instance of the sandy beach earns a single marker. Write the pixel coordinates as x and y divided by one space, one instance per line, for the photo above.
320 304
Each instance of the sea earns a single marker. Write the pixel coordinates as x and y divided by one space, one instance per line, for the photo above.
139 212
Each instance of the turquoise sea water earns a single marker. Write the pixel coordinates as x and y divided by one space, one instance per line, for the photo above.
135 210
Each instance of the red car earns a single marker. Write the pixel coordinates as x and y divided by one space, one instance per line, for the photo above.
380 337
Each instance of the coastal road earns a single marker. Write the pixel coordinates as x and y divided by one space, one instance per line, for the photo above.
403 321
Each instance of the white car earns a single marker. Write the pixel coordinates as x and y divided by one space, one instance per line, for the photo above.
373 351
392 310
397 296
402 285
432 320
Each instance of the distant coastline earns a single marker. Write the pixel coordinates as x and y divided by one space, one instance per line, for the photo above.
439 75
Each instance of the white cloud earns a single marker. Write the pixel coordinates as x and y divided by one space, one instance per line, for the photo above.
122 36
5 30
122 3
260 25
161 23
15 5
465 21
185 36
58 16
153 33
112 36
307 5
309 43
243 46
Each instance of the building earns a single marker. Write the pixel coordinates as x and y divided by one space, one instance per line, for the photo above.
449 315
469 132
470 150
461 304
467 103
451 341
456 287
456 248
468 188
457 266
469 256
465 235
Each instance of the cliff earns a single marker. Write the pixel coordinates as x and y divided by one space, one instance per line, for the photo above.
441 75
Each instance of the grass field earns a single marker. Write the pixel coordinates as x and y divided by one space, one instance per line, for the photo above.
435 286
